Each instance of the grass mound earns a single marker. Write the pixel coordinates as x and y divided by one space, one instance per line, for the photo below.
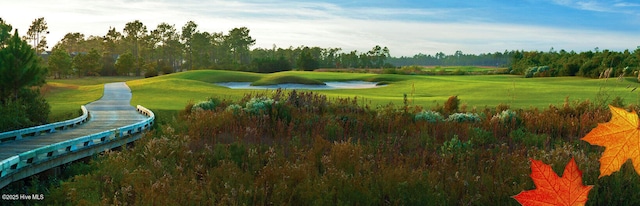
214 76
286 79
386 78
65 98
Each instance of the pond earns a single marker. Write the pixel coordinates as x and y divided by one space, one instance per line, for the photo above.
328 85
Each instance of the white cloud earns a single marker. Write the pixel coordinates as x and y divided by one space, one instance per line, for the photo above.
626 4
318 24
615 6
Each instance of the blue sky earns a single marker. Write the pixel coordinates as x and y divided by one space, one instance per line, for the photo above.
407 27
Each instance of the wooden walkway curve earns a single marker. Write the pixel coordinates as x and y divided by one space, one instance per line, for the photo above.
111 116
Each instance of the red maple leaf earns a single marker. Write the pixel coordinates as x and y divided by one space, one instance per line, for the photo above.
554 190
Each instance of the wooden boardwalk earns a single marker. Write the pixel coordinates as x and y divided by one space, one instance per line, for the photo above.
113 110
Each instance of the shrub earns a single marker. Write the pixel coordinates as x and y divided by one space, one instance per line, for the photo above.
13 116
464 117
459 72
530 71
617 102
506 117
150 73
167 69
259 105
413 69
454 145
452 104
429 116
528 139
37 107
210 104
389 71
234 108
28 110
535 71
479 136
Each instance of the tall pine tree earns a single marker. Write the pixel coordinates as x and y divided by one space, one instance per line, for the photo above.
19 68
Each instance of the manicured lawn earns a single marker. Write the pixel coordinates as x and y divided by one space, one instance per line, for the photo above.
66 99
92 80
283 78
172 92
67 95
463 68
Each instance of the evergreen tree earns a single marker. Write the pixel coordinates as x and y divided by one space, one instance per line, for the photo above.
20 105
19 68
306 62
60 63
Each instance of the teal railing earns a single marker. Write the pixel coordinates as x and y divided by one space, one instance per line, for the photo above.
47 128
42 154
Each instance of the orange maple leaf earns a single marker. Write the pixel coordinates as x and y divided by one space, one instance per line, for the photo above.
621 139
554 190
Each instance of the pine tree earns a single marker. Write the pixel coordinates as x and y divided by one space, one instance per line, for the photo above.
19 68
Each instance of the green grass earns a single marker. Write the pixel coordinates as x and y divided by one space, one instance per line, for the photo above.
281 78
66 99
67 95
175 93
213 76
85 81
172 92
462 68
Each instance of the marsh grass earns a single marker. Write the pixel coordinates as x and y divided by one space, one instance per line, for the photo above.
307 149
348 146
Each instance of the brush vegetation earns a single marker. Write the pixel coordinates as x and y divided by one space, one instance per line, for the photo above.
300 148
336 147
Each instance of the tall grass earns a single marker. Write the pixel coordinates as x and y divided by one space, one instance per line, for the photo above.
302 148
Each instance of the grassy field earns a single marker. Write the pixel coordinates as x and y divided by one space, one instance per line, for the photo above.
461 68
286 79
307 151
172 92
66 95
432 69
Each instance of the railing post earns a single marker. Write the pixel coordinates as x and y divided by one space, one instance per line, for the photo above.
10 166
48 128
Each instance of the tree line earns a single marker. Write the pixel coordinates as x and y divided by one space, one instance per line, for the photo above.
592 64
136 50
497 59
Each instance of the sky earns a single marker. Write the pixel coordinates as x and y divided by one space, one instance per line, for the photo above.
406 27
